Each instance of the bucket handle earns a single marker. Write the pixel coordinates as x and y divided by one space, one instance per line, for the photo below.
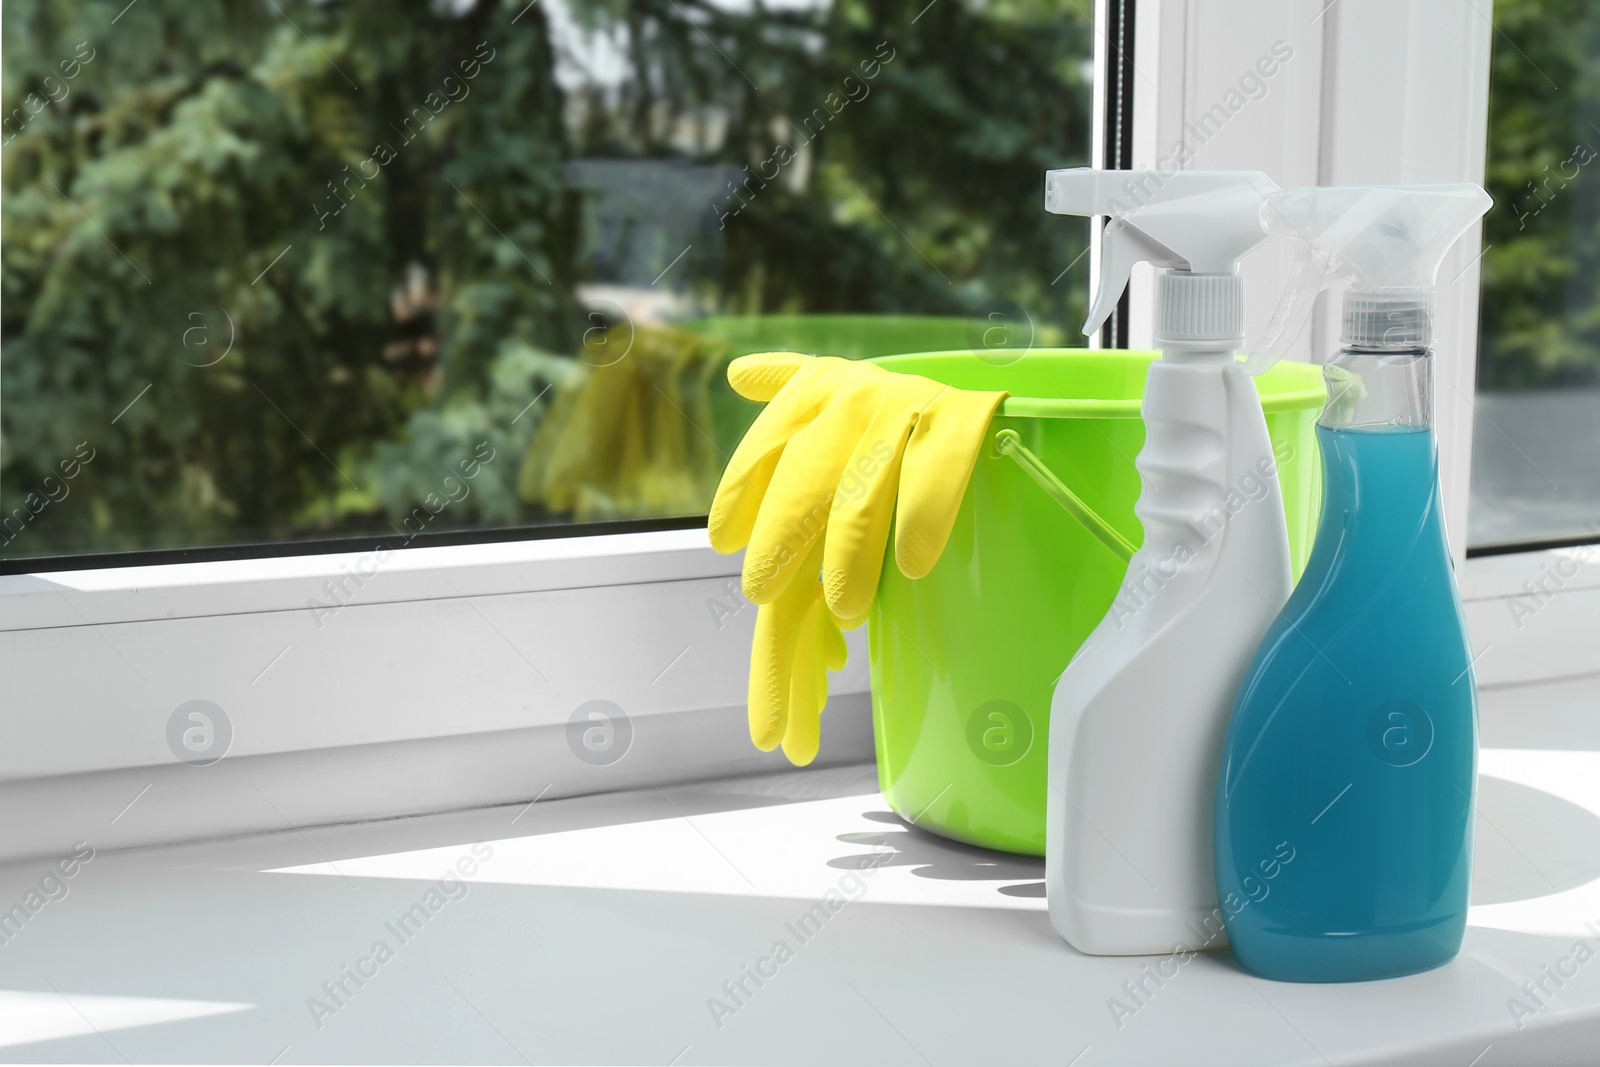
1009 443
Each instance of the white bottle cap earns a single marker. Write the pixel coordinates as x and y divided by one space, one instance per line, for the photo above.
1199 311
1394 319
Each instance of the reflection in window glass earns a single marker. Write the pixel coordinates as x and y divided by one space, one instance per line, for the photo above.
1537 433
280 271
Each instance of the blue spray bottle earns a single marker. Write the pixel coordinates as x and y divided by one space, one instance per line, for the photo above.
1344 806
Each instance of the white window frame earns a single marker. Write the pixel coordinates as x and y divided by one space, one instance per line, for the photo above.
422 691
1376 91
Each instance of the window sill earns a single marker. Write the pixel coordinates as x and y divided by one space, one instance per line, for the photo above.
611 928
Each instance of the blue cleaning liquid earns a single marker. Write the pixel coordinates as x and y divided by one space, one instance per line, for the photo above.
1353 744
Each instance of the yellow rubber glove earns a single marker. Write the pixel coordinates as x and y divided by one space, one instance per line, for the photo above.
815 481
838 443
796 643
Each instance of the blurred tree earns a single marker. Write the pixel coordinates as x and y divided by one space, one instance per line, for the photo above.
882 155
301 185
1541 271
371 208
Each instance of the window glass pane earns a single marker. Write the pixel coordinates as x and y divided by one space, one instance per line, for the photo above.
285 270
1537 433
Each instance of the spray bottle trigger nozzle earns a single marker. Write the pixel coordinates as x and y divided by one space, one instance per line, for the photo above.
1122 246
1309 273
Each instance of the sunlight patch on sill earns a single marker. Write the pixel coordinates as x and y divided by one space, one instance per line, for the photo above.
27 1016
1572 776
850 846
853 849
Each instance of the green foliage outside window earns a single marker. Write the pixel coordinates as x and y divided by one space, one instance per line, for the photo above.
1541 269
285 266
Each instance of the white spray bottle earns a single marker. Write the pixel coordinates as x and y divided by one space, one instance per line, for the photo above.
1138 717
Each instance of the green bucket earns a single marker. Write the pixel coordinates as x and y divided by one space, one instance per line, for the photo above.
964 661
